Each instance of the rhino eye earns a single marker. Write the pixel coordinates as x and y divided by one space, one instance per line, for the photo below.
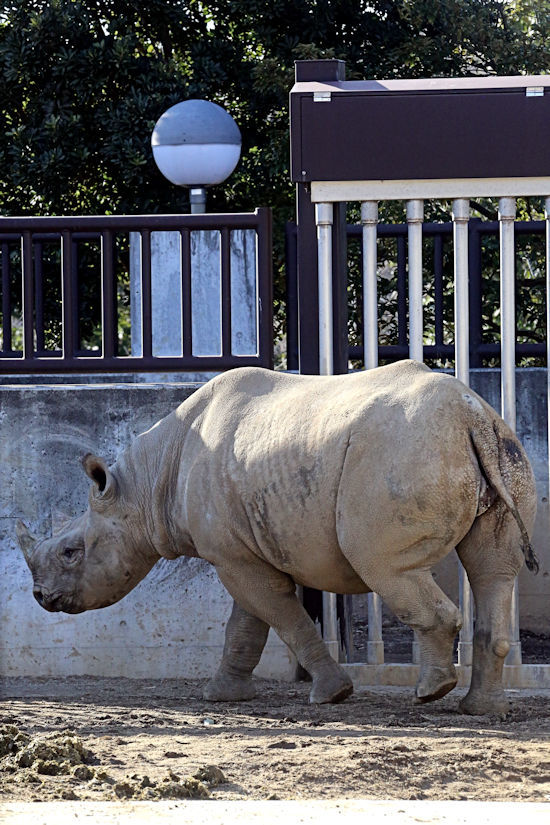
71 553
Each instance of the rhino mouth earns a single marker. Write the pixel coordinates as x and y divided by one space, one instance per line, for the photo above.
55 602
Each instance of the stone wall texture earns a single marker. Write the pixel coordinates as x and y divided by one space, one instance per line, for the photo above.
172 624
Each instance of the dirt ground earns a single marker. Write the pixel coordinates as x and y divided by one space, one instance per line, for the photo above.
99 739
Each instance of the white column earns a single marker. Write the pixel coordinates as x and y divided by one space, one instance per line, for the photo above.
461 214
506 216
415 216
369 222
324 220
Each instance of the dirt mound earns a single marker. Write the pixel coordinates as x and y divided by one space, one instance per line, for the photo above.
31 758
50 755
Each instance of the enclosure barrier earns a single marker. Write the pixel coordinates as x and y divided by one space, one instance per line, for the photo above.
440 235
25 237
460 217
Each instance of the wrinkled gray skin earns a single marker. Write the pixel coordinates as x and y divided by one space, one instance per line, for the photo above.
347 484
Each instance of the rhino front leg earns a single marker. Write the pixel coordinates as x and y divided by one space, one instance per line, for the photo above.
245 638
270 595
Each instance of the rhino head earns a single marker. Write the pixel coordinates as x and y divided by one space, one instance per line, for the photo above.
94 560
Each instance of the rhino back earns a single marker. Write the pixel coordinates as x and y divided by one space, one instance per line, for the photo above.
268 465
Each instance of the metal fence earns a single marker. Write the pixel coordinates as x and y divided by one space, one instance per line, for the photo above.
517 675
484 348
46 294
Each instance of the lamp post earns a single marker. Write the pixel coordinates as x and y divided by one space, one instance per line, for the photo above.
196 144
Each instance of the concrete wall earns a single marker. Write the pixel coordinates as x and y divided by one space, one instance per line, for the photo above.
172 624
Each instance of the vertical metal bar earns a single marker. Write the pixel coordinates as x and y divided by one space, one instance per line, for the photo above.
461 215
291 272
6 299
415 215
67 295
369 221
28 298
308 327
547 217
474 268
187 312
438 289
506 216
340 353
39 296
76 295
401 291
108 296
226 291
265 286
146 309
324 218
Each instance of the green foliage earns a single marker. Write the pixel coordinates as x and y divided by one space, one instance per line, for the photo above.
84 81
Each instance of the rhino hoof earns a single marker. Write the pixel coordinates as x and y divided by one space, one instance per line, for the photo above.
436 684
476 704
326 692
224 688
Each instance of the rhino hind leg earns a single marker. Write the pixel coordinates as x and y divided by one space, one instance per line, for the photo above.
436 621
245 638
269 594
409 590
492 558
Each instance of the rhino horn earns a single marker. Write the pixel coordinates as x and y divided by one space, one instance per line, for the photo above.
26 540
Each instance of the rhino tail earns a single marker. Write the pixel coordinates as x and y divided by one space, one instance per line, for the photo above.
491 447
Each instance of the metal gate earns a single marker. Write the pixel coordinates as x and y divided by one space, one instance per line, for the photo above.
326 195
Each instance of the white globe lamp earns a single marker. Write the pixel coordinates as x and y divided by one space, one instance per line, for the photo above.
196 144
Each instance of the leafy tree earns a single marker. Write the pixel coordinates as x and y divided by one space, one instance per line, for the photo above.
85 81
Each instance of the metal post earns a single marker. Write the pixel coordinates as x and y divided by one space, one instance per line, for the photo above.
547 216
197 200
323 219
506 216
415 216
461 214
324 216
369 221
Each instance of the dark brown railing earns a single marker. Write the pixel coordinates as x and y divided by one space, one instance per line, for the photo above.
24 294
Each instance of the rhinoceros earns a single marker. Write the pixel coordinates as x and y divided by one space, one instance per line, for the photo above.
349 484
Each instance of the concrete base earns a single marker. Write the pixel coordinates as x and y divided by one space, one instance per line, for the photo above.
306 812
404 675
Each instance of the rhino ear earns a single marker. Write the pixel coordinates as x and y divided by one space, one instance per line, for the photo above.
96 469
26 540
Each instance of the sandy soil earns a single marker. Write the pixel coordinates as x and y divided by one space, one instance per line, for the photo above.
375 745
